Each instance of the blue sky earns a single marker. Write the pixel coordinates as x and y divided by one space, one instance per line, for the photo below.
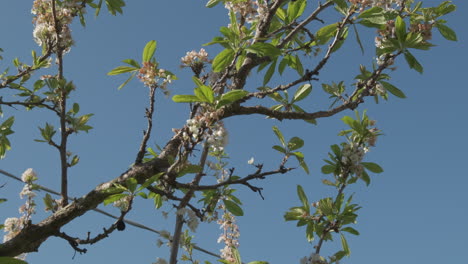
414 212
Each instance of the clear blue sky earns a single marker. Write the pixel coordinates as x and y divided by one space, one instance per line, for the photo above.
414 212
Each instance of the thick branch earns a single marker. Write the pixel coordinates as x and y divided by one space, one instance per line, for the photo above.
280 115
30 238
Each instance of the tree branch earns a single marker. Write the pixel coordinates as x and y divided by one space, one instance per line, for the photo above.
147 133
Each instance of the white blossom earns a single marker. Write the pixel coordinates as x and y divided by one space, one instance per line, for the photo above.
29 175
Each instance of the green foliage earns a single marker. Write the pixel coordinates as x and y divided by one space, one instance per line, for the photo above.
5 130
223 59
148 51
10 260
287 148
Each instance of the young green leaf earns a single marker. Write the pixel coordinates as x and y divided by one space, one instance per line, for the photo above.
393 90
327 169
280 149
302 196
223 59
233 208
179 98
350 230
128 80
302 92
212 3
148 51
373 167
446 32
324 34
231 97
122 69
344 244
400 27
413 62
207 93
133 63
264 49
279 135
295 143
114 197
269 73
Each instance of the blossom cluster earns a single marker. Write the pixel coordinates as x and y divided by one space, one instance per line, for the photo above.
314 258
201 127
13 225
249 10
230 236
190 218
193 57
46 29
123 203
150 75
385 34
425 29
386 4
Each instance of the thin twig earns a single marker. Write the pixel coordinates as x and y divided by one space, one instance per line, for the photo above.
147 133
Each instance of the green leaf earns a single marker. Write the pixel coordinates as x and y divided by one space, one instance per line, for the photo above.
372 17
302 92
222 60
336 150
279 135
212 3
365 177
233 208
150 181
373 167
131 184
149 50
303 198
133 63
128 80
264 49
412 62
400 27
280 149
295 9
122 69
76 108
327 169
324 34
446 32
345 246
358 39
179 98
350 230
236 254
269 73
205 94
114 197
10 260
328 182
295 143
393 90
197 81
231 97
371 12
348 120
